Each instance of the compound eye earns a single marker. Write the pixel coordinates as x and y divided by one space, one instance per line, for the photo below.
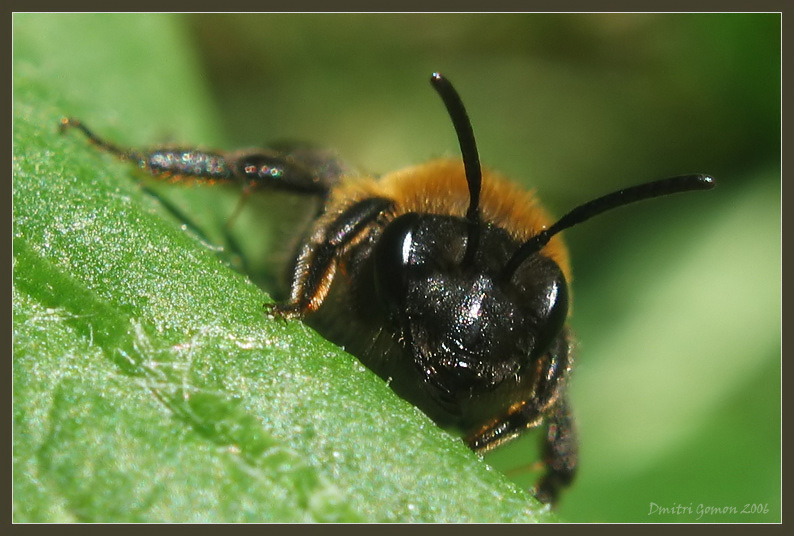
393 257
554 306
543 294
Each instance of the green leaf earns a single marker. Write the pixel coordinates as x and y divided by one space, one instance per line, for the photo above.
148 383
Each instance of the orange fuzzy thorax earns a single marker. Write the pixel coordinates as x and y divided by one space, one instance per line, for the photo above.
439 187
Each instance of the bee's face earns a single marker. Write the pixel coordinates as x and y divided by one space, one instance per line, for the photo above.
466 327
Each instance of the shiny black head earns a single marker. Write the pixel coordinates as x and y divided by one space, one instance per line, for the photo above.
467 329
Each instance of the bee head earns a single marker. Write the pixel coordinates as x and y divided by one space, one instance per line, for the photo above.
467 328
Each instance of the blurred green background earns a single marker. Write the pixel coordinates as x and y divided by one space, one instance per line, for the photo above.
676 302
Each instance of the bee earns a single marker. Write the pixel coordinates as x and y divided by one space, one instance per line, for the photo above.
445 279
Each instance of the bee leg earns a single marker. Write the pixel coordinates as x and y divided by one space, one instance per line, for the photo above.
560 454
543 393
324 164
546 403
308 171
291 167
559 448
330 239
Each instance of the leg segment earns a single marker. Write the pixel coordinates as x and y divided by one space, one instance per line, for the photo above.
332 237
560 454
542 391
299 170
560 447
545 401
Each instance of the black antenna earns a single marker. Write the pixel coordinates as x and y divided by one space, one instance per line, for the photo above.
592 208
471 158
